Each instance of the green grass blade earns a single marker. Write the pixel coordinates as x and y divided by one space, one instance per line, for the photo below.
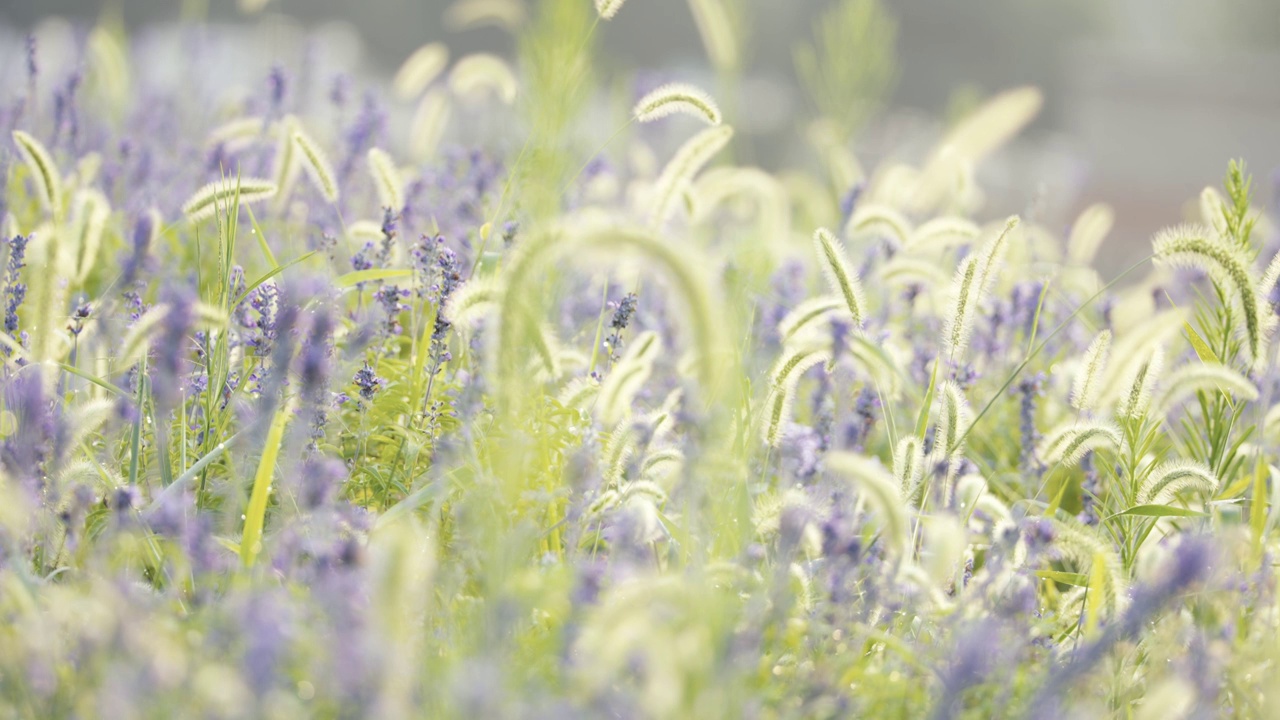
255 514
923 421
262 239
1159 511
352 279
270 274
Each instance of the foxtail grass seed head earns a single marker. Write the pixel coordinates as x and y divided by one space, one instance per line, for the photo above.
908 464
1191 246
879 221
286 162
879 486
994 123
236 135
806 318
44 173
1171 478
419 70
993 253
918 275
220 196
966 292
695 153
840 277
954 417
1089 376
784 378
316 164
387 180
477 74
1088 232
1138 398
1068 444
1203 377
91 213
430 121
506 15
943 233
677 98
608 8
628 376
718 33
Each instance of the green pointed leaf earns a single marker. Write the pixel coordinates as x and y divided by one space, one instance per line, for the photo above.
1203 351
352 279
1235 489
270 274
923 421
1159 511
1066 578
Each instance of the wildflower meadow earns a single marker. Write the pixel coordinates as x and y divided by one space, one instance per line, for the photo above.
509 385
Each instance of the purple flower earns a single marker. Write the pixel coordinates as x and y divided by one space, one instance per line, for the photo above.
1028 389
390 217
278 87
363 133
390 297
15 291
320 479
1090 488
125 498
257 314
33 68
171 349
136 261
976 653
367 382
363 259
849 202
267 626
340 90
34 438
314 358
78 317
1026 302
865 410
622 312
64 110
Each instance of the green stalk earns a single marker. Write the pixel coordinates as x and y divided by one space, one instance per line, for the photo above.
255 514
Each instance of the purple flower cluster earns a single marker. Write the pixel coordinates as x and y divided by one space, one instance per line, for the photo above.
15 291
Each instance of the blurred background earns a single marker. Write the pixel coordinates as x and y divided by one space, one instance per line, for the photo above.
1146 100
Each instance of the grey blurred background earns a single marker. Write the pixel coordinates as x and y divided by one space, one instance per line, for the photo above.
1146 100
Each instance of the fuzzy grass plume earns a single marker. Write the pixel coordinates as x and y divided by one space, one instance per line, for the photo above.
840 278
479 73
695 153
608 8
316 163
44 172
1088 378
386 178
217 197
1192 246
677 98
419 69
1068 444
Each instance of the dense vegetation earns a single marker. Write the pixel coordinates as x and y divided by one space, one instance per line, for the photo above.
445 397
